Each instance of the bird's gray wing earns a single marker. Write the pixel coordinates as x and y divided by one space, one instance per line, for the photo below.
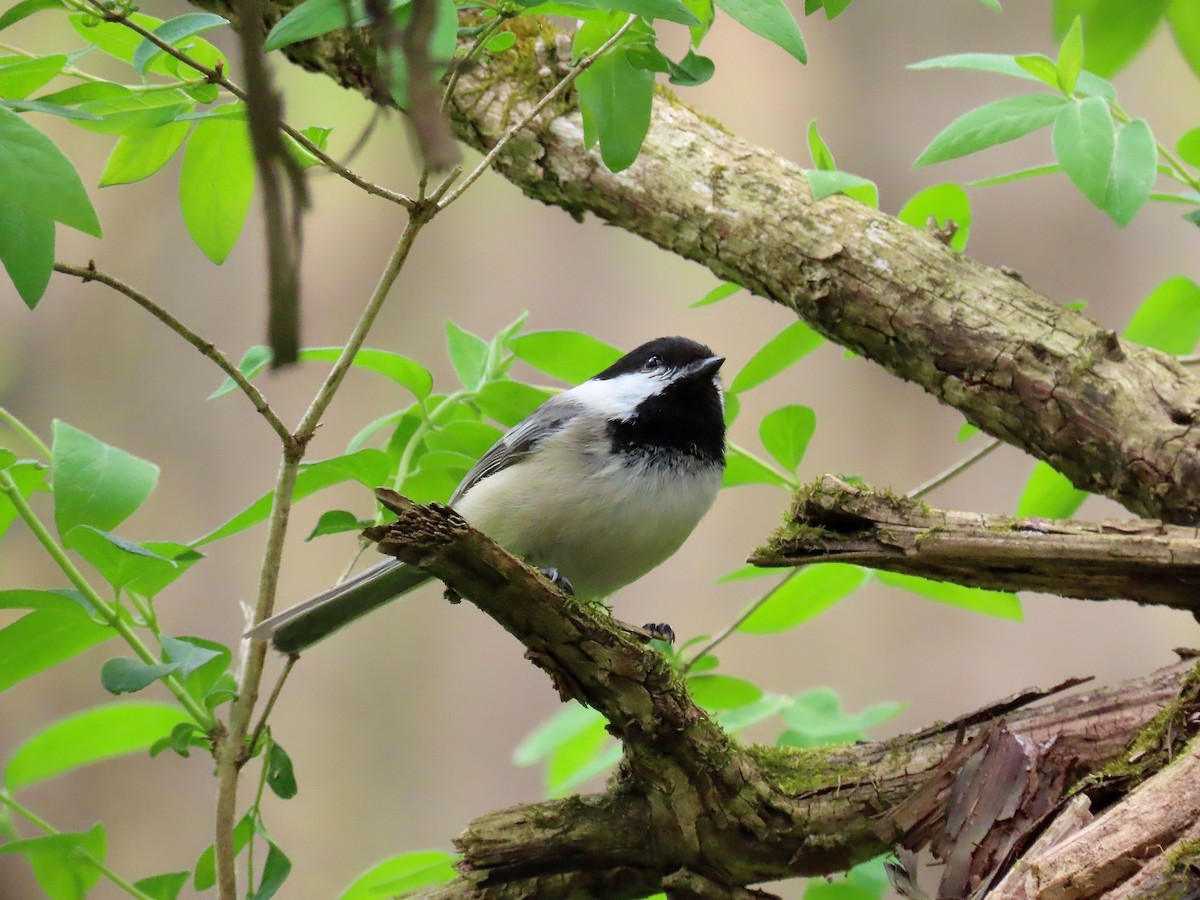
521 441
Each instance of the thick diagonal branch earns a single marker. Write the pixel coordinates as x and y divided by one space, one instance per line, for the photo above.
1116 559
689 799
1114 417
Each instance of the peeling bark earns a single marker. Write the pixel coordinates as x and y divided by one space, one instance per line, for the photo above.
688 798
1114 559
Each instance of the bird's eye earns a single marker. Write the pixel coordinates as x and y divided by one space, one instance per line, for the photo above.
654 362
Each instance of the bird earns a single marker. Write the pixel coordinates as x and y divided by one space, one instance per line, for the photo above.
597 486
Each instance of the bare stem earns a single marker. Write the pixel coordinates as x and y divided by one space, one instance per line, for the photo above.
24 431
91 273
957 469
555 92
324 396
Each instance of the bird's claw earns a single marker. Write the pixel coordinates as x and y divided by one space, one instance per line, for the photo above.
660 631
559 580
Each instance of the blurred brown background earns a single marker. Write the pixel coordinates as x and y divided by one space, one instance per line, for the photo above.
402 730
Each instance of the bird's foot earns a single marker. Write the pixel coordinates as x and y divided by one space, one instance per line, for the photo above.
559 580
660 631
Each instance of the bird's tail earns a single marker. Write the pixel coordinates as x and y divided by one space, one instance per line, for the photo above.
298 628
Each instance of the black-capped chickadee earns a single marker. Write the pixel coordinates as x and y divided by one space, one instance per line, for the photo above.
599 484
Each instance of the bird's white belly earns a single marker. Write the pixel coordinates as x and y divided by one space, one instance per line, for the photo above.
596 520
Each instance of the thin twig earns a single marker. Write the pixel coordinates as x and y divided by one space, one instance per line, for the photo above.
737 623
266 713
333 380
29 815
460 65
959 467
25 431
916 493
217 76
91 273
506 138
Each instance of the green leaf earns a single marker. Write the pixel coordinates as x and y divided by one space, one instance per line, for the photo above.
671 10
816 719
402 874
369 467
281 777
742 717
162 887
467 437
58 628
319 136
38 178
51 109
150 580
119 561
742 468
205 874
1040 67
314 18
565 724
125 675
1034 172
95 483
1070 56
723 691
337 521
141 154
570 355
943 203
824 184
994 123
1134 168
87 92
116 39
769 19
720 292
64 864
91 736
1169 318
1184 16
508 402
24 9
803 596
26 249
29 477
21 79
174 31
187 655
584 756
995 63
276 869
500 42
785 434
468 355
216 185
1001 604
966 431
399 369
1084 144
786 348
1113 30
822 156
1049 494
615 97
1188 147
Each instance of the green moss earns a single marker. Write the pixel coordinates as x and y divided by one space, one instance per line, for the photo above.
798 771
1184 854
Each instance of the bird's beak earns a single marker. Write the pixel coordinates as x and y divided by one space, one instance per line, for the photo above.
707 368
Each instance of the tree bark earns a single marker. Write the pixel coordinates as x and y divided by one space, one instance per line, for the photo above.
689 808
1114 417
1115 559
688 798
